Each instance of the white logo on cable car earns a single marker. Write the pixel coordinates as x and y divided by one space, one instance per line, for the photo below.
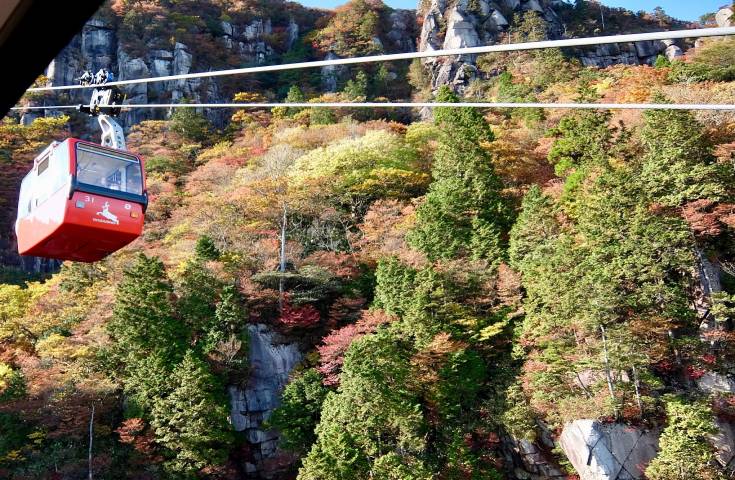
111 218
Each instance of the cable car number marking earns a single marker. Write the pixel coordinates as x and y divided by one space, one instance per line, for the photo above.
127 206
88 199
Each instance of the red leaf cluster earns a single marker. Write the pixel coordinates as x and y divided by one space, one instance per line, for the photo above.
342 265
694 372
304 316
334 345
134 432
708 218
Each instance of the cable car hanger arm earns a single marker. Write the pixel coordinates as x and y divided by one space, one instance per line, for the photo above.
105 103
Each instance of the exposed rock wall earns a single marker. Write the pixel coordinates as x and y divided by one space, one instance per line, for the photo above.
529 460
637 53
464 23
724 17
399 36
608 451
271 362
98 46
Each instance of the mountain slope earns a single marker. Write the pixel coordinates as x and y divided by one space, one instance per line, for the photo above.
339 295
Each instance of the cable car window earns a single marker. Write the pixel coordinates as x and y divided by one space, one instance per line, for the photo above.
114 171
42 166
48 179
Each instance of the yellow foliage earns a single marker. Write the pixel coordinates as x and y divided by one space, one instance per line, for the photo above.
37 437
352 158
249 97
603 86
6 374
13 456
15 302
177 233
218 150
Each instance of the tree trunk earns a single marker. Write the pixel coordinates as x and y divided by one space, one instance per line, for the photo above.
282 263
91 439
610 385
636 384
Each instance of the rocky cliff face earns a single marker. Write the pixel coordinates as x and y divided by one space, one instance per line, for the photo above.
271 362
99 46
464 23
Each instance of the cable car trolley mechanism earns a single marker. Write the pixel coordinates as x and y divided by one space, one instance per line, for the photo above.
83 201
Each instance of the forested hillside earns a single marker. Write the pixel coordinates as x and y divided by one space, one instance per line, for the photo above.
349 294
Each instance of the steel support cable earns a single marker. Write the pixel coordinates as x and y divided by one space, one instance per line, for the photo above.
572 42
576 106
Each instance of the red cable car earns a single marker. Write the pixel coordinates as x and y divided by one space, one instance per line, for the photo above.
80 202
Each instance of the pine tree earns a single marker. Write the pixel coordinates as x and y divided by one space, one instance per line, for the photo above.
143 316
374 412
356 89
300 410
394 281
678 166
198 290
229 322
534 226
205 248
685 452
582 139
463 212
230 313
190 124
191 422
294 95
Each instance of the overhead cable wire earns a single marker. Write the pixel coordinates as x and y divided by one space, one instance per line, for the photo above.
510 47
575 106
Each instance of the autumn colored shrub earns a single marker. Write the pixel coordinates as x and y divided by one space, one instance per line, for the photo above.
334 345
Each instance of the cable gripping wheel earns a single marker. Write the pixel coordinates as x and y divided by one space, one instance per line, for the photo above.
105 103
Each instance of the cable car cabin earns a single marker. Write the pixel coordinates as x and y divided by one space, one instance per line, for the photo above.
80 202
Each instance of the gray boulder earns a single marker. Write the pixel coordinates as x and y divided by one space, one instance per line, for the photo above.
674 53
461 31
608 451
271 362
724 17
724 443
712 382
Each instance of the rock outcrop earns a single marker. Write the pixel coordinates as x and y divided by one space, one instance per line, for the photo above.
98 46
724 17
464 23
638 53
529 460
608 451
271 362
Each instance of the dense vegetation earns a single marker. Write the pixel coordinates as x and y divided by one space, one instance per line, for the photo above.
455 285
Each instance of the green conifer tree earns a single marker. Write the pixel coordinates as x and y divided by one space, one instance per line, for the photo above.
191 422
685 452
230 321
678 166
295 95
198 290
143 316
463 212
356 89
534 226
300 410
205 248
